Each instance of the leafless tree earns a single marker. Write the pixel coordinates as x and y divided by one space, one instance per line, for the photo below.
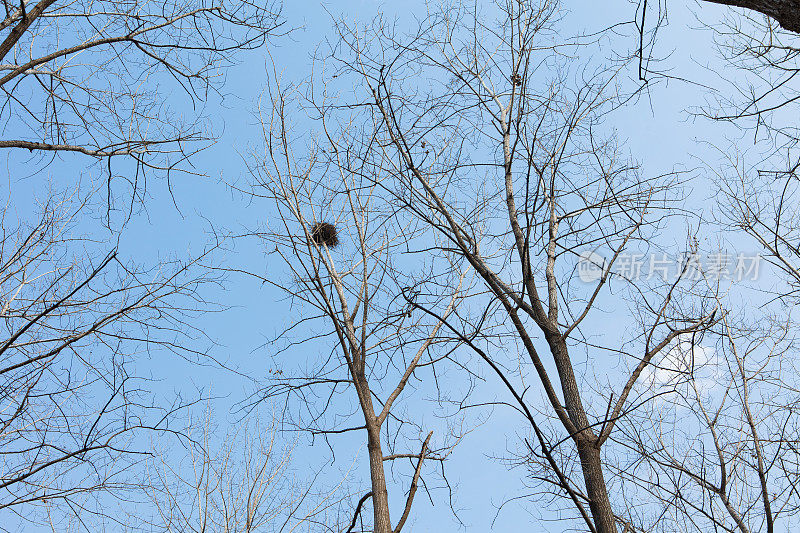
763 205
757 180
737 468
96 77
724 447
240 483
480 128
754 74
346 251
722 438
75 318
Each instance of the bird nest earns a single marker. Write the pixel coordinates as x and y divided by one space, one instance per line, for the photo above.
324 233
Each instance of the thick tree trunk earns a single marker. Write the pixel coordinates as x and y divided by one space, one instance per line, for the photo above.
585 440
380 496
599 503
786 12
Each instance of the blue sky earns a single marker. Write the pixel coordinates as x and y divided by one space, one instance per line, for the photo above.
656 130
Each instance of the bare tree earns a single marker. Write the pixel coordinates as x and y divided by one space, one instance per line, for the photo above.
240 483
75 317
741 393
345 249
478 128
758 183
95 77
722 438
724 444
752 81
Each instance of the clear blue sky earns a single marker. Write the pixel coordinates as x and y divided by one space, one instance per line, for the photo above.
656 130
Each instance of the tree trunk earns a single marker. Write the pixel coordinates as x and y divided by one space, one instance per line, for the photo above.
380 496
585 440
786 12
599 504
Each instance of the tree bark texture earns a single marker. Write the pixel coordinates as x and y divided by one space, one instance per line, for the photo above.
786 12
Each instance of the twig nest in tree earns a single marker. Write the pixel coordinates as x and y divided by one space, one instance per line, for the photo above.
324 233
